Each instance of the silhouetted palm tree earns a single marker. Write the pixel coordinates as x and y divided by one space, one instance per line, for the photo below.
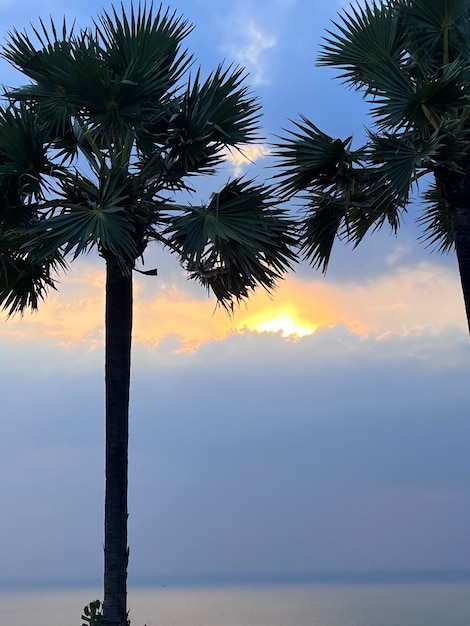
92 153
411 60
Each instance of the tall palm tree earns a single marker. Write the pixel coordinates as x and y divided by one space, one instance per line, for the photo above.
411 61
94 154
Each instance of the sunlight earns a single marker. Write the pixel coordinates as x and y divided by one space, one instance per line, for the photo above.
407 299
287 324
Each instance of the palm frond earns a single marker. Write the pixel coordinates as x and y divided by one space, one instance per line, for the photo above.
237 242
144 49
35 60
94 214
189 132
401 100
437 31
24 141
346 213
24 282
324 221
111 79
436 222
372 206
365 37
399 159
411 60
378 47
312 159
223 107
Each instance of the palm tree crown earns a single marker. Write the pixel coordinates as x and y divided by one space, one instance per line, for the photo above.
411 61
93 150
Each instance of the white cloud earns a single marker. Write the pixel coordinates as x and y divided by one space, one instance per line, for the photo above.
248 48
398 254
247 154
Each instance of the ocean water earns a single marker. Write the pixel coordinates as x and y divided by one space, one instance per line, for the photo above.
282 605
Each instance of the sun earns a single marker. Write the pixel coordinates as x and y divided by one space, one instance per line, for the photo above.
286 323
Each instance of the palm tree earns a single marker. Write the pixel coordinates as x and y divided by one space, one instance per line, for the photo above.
95 153
411 61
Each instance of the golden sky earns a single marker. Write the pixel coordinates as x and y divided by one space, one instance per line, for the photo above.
404 300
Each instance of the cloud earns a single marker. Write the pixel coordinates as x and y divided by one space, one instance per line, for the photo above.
407 299
332 451
249 47
398 254
70 315
246 155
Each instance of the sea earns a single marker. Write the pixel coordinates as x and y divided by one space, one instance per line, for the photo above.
430 604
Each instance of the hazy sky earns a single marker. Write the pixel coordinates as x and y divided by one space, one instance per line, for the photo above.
252 450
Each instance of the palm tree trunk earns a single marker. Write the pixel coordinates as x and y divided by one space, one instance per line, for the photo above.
461 228
118 321
454 185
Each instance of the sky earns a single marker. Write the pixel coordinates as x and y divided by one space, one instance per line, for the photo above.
324 429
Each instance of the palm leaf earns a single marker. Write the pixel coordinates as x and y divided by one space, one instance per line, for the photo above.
437 31
223 105
81 229
347 213
377 47
114 95
324 222
24 282
189 132
400 159
312 159
112 79
24 141
235 243
144 51
36 61
372 206
436 222
94 214
401 100
365 37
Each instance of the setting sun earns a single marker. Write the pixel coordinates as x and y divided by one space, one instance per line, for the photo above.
285 323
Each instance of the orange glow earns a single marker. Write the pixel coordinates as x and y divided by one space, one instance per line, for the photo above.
283 323
402 301
246 154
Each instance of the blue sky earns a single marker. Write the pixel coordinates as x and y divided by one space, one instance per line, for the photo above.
252 450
